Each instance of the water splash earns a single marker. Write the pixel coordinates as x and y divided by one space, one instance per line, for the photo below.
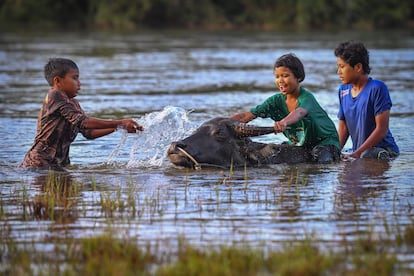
160 129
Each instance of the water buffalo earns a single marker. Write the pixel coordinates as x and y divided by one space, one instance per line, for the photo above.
224 142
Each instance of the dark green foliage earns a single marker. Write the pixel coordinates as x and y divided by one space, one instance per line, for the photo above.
67 14
130 15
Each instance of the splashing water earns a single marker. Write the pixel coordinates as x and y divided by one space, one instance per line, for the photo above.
160 129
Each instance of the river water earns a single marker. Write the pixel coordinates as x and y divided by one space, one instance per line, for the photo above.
171 82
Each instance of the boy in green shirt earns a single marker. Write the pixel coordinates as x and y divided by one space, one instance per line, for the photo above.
296 107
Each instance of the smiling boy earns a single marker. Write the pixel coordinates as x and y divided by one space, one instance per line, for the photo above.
296 107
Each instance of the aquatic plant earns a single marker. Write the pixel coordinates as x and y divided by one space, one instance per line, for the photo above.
115 246
109 254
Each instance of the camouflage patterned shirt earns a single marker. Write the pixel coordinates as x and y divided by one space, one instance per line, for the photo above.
60 120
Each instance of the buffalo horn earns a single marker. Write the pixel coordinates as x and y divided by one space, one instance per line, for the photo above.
244 130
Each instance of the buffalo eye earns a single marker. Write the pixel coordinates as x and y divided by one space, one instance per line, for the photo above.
219 134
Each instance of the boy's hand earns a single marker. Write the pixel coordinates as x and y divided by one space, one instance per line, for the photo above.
280 126
131 126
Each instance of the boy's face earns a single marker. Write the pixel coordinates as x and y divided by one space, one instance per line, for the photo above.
285 80
69 84
346 72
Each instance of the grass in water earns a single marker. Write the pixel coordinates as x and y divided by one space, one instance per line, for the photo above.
58 196
109 255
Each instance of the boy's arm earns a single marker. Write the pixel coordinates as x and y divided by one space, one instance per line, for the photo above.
342 133
96 133
90 127
292 118
244 117
106 125
380 131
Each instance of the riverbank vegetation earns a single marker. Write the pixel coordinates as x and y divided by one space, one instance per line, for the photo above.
111 255
132 15
113 250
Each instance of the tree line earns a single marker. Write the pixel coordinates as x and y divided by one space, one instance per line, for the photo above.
129 15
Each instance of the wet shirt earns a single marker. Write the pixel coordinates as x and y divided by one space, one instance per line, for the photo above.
60 120
359 112
315 129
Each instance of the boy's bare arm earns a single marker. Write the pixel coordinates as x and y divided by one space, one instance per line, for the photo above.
96 133
244 117
129 124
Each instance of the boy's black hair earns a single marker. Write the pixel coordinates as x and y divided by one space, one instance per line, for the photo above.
58 67
353 53
292 62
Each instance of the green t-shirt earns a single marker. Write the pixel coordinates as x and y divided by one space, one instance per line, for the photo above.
315 129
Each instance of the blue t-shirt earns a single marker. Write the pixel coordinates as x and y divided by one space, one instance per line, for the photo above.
359 112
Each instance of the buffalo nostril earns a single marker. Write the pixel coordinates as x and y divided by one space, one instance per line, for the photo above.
175 145
180 145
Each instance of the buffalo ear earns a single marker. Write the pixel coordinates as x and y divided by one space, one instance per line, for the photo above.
244 130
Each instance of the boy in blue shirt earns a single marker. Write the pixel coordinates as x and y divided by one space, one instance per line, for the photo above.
365 104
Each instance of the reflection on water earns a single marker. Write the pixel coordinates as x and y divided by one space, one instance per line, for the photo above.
171 83
358 172
57 193
360 181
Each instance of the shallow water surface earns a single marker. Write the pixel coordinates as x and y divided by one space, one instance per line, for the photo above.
171 82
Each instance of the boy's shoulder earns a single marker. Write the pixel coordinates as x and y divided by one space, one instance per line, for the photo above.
59 97
305 93
57 94
376 83
274 97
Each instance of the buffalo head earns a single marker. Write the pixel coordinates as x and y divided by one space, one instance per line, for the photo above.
224 142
